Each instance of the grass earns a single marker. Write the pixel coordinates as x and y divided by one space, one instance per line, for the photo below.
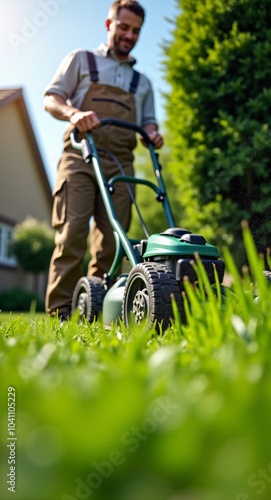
121 415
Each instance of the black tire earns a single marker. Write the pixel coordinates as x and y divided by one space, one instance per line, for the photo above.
147 297
88 298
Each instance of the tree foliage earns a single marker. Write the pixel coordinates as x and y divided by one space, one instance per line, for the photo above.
33 244
218 65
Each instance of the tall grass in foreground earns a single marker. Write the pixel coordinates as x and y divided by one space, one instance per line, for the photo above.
119 415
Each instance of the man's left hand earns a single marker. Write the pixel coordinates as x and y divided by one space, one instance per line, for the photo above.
156 139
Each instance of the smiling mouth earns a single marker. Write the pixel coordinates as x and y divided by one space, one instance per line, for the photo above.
127 42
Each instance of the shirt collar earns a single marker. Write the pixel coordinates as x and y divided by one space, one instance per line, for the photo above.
105 51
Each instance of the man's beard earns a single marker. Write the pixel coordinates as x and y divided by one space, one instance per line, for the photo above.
119 50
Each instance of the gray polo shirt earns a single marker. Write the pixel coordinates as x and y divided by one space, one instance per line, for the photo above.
72 80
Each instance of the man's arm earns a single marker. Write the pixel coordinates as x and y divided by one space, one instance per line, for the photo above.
58 108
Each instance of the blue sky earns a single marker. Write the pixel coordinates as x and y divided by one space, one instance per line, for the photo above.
35 35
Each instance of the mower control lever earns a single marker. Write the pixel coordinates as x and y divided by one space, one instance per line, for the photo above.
76 144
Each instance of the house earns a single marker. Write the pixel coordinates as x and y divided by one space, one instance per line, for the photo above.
24 185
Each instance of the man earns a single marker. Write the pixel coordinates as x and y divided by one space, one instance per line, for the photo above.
87 87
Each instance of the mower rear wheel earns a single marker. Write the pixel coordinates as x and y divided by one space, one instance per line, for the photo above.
148 296
88 298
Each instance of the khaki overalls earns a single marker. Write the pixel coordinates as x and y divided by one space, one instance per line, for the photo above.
77 198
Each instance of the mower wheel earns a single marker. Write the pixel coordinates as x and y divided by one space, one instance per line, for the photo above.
88 298
148 295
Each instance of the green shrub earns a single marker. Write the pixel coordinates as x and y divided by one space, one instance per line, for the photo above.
219 68
18 299
33 244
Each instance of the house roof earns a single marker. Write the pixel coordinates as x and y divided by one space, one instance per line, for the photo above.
8 96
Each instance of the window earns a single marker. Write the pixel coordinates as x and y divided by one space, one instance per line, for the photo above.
6 256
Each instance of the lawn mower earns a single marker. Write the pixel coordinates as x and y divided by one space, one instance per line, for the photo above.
160 263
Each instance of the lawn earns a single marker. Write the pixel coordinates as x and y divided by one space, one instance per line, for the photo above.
121 415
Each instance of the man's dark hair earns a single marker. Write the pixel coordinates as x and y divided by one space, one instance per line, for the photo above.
131 5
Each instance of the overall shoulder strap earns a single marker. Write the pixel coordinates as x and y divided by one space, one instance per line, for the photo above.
134 82
94 75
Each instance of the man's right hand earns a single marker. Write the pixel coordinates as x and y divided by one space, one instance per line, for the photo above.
85 120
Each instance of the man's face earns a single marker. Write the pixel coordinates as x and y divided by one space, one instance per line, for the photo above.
123 32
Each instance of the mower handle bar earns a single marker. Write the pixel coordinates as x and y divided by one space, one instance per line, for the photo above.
116 123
